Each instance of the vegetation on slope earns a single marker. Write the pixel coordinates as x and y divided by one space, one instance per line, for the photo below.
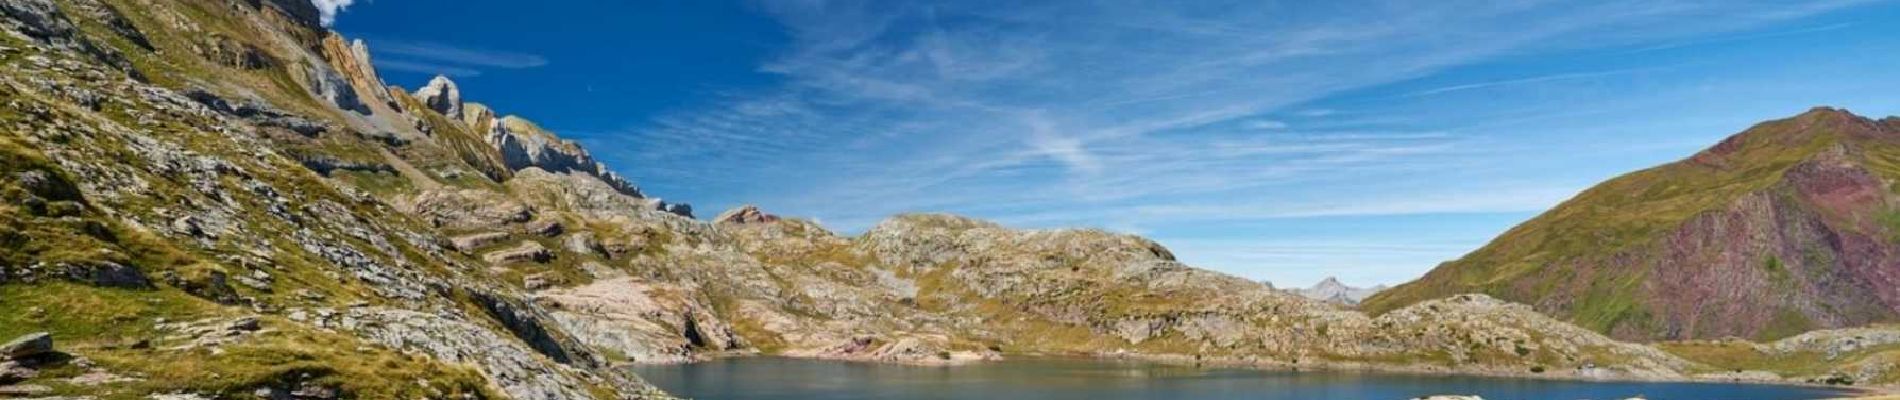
1605 258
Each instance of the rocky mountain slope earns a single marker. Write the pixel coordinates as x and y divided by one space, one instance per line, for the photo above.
1332 291
1787 227
220 199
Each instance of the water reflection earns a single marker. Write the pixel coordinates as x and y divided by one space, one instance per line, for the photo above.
767 378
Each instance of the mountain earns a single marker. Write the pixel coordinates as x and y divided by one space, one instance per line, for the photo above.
1331 291
220 198
1786 227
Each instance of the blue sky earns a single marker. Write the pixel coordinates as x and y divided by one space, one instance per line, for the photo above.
1277 140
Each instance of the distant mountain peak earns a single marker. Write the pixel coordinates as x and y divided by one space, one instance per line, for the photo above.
1333 291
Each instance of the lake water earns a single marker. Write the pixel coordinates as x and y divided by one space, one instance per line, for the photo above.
761 378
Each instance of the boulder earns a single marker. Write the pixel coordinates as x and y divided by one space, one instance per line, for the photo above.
527 251
470 242
245 324
31 344
105 273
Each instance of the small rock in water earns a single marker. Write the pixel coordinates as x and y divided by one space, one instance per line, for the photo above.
32 344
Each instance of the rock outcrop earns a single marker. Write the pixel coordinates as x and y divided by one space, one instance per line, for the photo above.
443 96
525 252
30 345
747 214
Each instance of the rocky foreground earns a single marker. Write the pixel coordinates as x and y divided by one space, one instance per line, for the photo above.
219 198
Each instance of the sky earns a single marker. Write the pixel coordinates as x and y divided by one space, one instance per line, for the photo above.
1285 141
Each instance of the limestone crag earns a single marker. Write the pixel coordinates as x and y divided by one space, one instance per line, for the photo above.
442 96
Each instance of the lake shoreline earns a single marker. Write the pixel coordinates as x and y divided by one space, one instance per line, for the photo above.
1858 391
1328 366
1087 377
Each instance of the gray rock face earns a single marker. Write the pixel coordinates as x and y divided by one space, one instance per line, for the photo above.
258 113
528 324
30 345
466 209
42 20
442 96
333 87
642 321
510 363
524 145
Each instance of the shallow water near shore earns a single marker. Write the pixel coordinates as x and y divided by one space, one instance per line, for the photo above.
757 378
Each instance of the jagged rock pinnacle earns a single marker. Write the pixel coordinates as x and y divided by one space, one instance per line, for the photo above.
442 96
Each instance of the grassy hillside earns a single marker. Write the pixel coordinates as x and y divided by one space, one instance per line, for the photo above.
1597 259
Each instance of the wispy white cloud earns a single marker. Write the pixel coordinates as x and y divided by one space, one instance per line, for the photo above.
1137 114
460 55
1302 262
1266 124
1129 96
1744 37
1494 200
328 9
1531 80
428 68
446 59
